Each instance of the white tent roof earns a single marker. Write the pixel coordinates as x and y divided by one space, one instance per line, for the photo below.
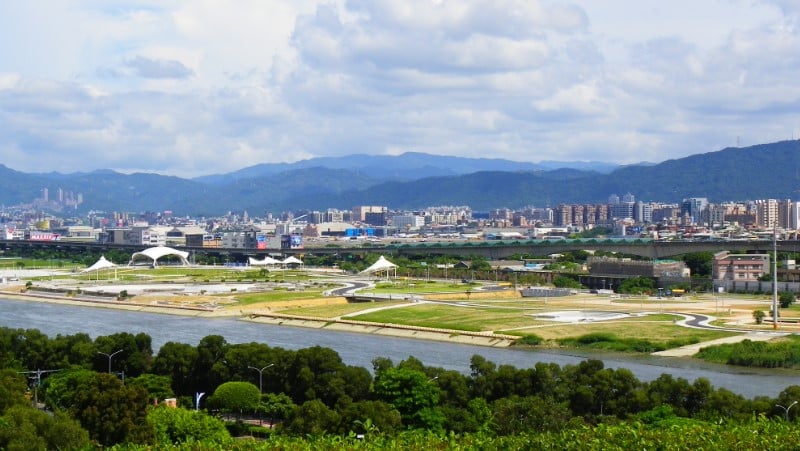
381 265
102 263
292 260
154 253
267 261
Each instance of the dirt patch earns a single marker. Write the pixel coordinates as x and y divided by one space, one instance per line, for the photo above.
461 296
282 305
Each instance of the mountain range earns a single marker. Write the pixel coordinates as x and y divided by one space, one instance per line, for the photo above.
416 180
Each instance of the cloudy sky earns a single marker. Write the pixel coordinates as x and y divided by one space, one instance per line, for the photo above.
201 86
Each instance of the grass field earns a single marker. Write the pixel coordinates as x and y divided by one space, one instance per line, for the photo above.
333 311
639 328
275 296
451 317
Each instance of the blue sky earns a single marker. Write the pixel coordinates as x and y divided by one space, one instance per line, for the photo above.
197 87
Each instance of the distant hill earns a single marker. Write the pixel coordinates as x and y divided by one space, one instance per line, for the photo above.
407 166
415 180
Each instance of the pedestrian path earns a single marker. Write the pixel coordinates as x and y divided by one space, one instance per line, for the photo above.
690 350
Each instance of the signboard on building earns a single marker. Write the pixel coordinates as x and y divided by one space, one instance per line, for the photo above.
293 241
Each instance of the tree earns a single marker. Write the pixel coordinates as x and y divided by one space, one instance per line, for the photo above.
566 282
759 315
111 412
369 416
412 394
177 361
23 427
178 425
637 285
12 389
236 397
786 299
514 415
699 263
158 387
313 417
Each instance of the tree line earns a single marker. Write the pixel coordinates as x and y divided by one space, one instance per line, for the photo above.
104 389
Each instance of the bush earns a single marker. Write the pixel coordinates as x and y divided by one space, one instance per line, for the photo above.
786 299
531 340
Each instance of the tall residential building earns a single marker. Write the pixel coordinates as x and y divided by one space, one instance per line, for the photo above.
767 213
563 215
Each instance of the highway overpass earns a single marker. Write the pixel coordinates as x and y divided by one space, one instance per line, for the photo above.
494 250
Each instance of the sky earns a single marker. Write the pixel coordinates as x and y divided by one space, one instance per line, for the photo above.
198 87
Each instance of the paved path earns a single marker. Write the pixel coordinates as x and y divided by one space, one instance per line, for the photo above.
690 350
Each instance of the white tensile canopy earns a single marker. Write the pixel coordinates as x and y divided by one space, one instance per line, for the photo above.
155 253
292 260
380 266
268 261
102 263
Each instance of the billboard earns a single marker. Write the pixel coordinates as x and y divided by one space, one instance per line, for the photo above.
293 241
261 242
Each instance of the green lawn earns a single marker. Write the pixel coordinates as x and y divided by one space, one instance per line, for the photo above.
274 296
450 317
336 310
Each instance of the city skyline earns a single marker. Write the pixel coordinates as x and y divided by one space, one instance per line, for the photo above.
190 88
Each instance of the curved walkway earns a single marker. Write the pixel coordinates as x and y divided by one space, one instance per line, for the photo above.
697 321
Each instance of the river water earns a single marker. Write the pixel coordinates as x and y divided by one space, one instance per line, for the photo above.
360 349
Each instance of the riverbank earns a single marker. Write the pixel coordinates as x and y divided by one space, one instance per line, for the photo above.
394 330
86 301
267 317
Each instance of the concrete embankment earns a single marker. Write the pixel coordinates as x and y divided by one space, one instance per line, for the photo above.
394 330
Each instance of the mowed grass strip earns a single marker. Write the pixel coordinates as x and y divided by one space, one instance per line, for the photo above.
273 296
450 317
639 328
419 286
332 311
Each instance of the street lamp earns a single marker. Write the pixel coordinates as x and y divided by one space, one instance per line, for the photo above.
110 356
786 410
260 374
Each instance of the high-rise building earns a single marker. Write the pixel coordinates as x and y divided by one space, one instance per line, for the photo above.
767 213
695 208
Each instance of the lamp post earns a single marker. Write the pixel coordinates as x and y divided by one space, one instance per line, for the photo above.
786 410
197 397
260 375
110 356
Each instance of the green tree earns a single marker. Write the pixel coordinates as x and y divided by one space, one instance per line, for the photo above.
12 389
637 285
699 263
236 397
759 315
177 425
786 299
566 282
111 412
158 387
276 406
368 416
177 361
412 394
23 428
313 417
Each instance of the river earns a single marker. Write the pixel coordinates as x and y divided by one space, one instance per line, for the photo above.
361 349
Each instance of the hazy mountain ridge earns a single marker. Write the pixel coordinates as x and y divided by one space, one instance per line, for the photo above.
756 172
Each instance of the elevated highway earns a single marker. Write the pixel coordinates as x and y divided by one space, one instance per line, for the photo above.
495 250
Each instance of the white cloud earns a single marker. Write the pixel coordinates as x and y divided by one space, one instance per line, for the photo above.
198 87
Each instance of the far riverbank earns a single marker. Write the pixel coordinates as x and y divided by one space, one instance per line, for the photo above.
361 327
